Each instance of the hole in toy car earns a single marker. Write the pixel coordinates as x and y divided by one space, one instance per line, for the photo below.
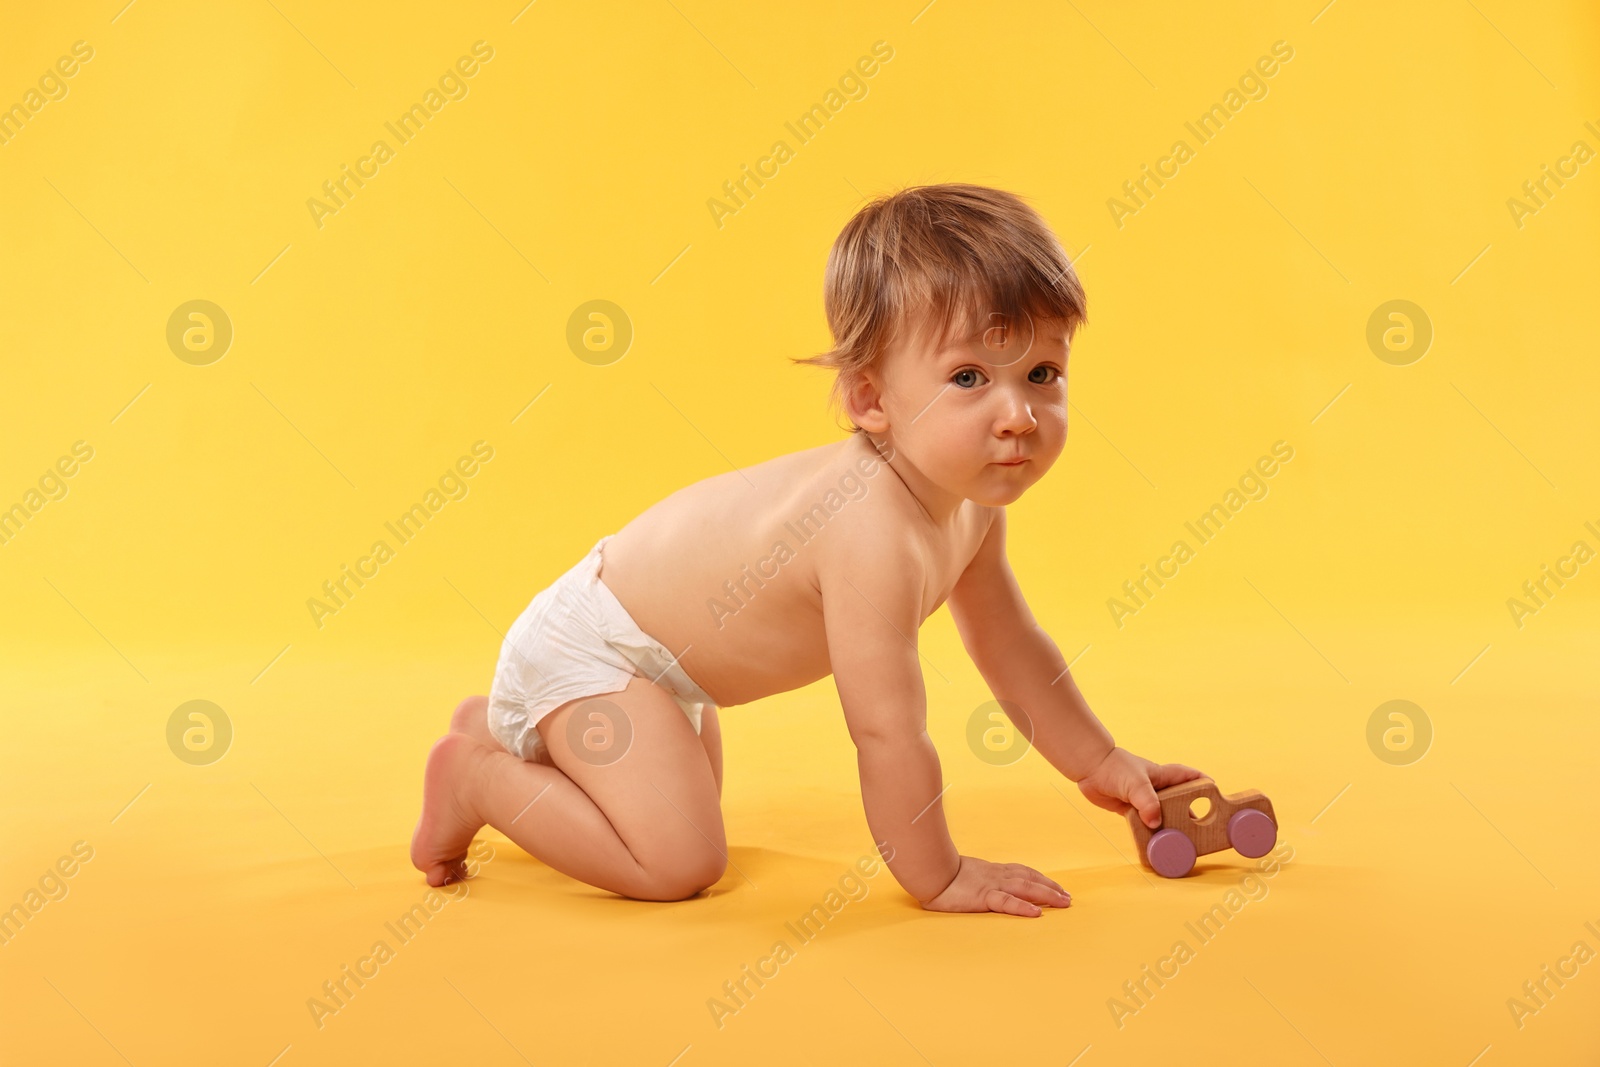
1200 808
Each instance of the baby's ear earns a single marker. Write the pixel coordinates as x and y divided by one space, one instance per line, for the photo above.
863 402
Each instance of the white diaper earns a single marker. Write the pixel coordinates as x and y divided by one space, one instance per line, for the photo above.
577 640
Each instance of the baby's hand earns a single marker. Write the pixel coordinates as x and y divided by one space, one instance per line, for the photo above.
1124 781
1012 888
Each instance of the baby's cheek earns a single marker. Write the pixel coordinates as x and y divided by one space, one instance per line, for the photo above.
953 458
1054 424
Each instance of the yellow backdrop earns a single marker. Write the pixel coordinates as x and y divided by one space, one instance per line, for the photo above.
272 270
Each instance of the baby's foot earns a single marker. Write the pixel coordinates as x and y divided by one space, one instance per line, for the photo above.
439 846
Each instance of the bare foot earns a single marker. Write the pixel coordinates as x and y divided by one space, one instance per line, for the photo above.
439 846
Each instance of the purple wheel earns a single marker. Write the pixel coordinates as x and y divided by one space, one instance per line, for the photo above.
1171 853
1252 833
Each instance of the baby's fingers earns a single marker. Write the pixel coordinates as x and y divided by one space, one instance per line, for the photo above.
1167 774
1001 901
1022 870
1036 892
1143 797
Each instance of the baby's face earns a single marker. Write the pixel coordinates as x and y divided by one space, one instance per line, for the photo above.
986 415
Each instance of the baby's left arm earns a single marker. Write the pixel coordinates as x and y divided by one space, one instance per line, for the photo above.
1024 669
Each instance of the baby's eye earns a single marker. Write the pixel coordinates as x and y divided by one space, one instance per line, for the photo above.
1051 374
965 377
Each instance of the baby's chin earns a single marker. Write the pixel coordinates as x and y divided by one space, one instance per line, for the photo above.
997 500
993 495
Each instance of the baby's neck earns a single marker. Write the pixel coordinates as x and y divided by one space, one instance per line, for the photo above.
939 504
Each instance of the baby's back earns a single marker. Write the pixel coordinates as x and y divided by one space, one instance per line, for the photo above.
727 568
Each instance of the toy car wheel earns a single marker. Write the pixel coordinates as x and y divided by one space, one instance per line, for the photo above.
1252 833
1171 853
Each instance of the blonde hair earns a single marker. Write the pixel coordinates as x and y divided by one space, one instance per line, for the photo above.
956 253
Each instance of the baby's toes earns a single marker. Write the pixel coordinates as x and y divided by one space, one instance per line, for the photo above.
448 871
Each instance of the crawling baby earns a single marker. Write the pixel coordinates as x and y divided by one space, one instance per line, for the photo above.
952 308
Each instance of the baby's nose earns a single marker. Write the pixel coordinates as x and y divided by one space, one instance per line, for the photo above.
1016 416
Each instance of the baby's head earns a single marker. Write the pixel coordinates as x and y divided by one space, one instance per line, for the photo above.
952 309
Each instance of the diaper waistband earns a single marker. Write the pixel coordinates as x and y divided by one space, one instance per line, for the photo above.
653 659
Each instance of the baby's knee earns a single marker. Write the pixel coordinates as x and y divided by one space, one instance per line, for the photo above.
681 878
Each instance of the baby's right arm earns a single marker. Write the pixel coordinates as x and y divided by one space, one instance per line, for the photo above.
872 591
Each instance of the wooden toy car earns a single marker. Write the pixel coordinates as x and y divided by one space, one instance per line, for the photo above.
1243 822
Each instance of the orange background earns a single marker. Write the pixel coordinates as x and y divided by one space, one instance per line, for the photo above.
1228 313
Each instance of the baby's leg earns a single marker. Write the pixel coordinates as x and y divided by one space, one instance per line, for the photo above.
711 738
471 717
647 825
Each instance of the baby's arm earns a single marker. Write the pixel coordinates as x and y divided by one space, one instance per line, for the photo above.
1024 668
872 589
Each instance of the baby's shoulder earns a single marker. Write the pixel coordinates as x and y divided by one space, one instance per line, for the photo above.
887 538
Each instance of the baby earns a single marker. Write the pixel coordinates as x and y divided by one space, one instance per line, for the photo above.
952 309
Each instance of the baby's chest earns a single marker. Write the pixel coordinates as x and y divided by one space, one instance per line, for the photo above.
947 559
